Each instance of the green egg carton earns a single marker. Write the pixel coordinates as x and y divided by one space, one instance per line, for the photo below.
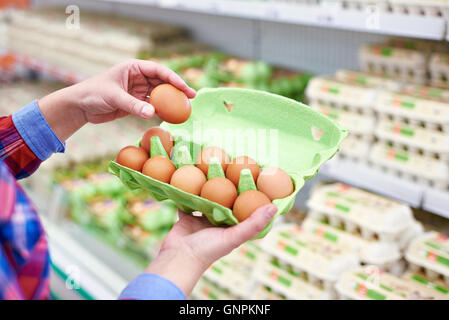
305 140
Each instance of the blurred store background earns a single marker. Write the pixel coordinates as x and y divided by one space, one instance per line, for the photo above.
371 225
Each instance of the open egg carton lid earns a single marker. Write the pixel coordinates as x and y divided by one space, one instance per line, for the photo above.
362 208
207 290
431 252
382 254
372 283
354 122
288 282
413 107
309 253
367 79
331 91
412 164
413 135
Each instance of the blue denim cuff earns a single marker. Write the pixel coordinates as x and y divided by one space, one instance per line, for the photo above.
34 129
149 286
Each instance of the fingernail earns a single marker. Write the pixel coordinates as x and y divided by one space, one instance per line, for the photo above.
147 111
270 212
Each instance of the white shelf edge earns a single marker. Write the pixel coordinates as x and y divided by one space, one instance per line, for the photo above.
437 201
329 16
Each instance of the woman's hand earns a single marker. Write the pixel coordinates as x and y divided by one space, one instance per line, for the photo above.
193 244
113 94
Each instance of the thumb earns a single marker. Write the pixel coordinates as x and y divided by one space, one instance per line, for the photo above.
248 229
135 106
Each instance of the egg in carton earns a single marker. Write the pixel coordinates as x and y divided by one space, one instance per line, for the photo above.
372 283
315 260
284 279
385 255
431 114
264 292
427 8
367 79
404 64
410 165
411 135
346 96
206 290
371 216
439 288
429 253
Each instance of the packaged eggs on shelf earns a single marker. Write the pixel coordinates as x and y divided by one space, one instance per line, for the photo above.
265 292
410 165
367 79
373 217
429 254
381 5
428 8
207 290
339 94
317 260
425 92
355 148
385 255
404 64
439 288
439 69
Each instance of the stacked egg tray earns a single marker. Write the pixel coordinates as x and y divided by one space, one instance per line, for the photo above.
427 8
367 215
349 104
367 79
439 70
262 292
310 264
207 290
371 283
429 254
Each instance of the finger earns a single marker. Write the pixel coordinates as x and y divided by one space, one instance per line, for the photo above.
248 229
129 104
152 69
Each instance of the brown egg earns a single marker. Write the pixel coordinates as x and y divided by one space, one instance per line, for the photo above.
189 179
159 168
132 157
220 190
237 165
275 183
170 103
202 161
164 136
247 202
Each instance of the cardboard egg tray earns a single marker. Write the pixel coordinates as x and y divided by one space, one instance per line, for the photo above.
430 143
355 149
385 255
430 114
439 69
371 216
429 254
427 8
420 279
342 95
317 261
372 283
206 290
404 64
410 165
304 140
367 79
289 282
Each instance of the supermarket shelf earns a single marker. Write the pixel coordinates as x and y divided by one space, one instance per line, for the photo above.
329 15
437 202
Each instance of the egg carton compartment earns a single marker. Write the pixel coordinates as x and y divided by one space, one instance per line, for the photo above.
320 262
414 137
385 255
439 288
265 292
289 281
303 140
206 290
426 8
403 64
432 114
349 97
439 69
429 254
371 216
356 123
368 79
410 165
